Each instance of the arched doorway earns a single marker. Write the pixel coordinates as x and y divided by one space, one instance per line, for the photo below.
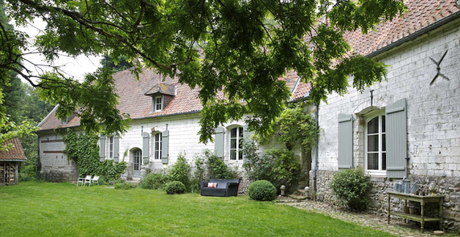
136 161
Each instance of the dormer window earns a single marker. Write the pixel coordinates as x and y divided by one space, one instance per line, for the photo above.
162 94
157 103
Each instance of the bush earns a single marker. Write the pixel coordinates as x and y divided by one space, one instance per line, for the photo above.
124 186
180 171
351 188
278 166
154 181
217 169
175 187
262 190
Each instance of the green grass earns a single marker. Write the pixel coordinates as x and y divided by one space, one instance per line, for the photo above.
62 209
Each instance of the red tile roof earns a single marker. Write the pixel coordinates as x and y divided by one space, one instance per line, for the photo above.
133 101
14 154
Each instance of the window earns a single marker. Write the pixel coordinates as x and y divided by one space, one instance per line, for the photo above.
375 144
158 103
157 146
236 143
111 147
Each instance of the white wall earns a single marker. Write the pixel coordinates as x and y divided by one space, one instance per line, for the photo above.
433 111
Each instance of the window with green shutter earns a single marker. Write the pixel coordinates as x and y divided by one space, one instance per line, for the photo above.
375 143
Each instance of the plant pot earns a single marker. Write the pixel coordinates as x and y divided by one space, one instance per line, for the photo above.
412 210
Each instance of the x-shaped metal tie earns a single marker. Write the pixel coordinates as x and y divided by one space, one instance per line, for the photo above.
438 68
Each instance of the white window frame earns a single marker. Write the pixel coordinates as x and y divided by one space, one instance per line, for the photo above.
157 138
110 147
155 103
238 140
369 117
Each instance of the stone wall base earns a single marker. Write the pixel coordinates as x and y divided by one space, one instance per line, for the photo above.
448 186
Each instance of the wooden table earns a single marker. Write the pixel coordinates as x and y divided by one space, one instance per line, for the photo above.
422 200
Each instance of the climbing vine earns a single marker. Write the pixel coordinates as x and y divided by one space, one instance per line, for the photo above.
84 151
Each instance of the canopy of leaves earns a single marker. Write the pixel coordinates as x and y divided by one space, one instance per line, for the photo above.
244 47
115 65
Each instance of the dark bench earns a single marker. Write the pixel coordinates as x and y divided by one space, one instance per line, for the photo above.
225 188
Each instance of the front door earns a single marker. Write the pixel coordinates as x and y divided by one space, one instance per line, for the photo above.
137 164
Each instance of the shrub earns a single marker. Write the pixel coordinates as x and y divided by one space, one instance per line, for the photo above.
351 188
180 171
278 166
124 186
154 181
217 169
175 187
262 190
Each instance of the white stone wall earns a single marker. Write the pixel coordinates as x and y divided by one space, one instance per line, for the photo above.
53 159
433 112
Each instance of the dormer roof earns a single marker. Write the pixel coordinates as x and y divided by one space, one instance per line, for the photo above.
162 89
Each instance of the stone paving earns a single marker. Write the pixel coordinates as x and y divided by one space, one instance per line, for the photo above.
396 227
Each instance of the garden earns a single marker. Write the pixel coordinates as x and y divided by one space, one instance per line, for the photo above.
61 209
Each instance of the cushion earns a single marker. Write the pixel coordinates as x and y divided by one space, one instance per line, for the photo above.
212 185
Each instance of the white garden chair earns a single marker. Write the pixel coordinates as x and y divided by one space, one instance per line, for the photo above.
80 181
87 180
95 179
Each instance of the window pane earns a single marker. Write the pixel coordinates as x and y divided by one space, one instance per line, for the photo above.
383 123
232 155
372 142
241 132
233 143
373 126
372 161
240 155
240 144
233 132
384 161
384 143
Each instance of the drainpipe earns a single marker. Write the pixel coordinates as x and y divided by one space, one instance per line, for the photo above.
38 165
316 147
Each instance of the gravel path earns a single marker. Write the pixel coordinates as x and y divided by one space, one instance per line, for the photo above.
396 227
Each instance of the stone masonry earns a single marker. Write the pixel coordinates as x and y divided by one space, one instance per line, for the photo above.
433 119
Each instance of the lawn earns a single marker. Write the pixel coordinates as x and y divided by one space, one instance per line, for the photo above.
62 209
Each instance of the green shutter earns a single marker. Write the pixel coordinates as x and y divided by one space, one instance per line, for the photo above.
116 145
102 148
145 147
219 142
396 139
345 153
165 147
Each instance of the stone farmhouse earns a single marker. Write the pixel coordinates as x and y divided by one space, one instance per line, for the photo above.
165 122
407 126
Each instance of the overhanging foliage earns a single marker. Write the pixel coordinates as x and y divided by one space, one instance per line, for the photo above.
245 46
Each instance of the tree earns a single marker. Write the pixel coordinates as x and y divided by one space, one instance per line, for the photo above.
115 66
11 92
244 46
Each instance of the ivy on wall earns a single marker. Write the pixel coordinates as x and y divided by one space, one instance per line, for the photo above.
84 151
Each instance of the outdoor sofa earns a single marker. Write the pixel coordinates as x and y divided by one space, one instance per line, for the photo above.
224 188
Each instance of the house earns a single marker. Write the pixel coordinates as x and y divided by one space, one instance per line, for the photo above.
407 126
9 162
165 119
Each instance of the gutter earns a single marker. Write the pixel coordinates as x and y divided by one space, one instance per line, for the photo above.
416 34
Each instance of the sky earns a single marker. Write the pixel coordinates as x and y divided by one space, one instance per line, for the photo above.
76 67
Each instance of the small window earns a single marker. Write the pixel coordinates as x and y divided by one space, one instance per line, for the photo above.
157 146
158 103
376 144
236 143
111 147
